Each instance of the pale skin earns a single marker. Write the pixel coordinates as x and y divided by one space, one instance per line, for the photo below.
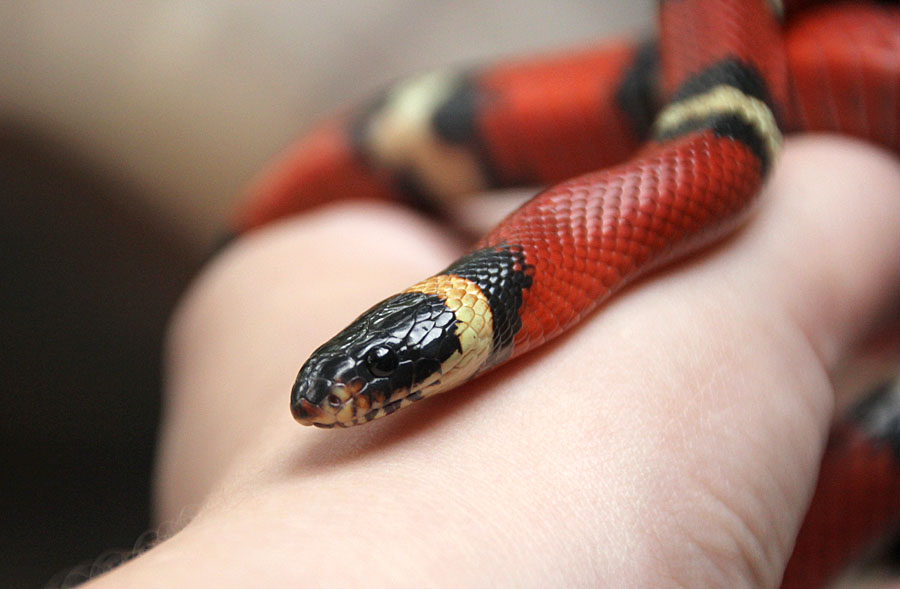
672 439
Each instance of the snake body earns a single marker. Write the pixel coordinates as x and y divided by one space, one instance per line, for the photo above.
568 249
700 112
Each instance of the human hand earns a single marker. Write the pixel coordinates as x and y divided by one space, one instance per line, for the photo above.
672 438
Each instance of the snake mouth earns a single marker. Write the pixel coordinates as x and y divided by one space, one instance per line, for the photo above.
340 404
374 414
309 414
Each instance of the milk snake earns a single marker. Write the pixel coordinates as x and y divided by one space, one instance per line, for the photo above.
700 113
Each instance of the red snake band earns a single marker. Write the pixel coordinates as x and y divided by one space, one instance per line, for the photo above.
700 112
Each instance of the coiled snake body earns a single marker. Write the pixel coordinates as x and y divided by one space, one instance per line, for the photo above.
703 110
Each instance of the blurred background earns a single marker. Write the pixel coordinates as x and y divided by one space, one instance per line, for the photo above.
126 130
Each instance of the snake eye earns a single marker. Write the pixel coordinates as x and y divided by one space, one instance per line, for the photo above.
382 361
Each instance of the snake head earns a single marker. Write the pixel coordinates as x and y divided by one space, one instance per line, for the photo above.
397 352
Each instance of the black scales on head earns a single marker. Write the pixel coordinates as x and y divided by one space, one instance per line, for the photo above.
379 361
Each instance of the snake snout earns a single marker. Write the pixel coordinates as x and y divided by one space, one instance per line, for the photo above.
304 411
307 398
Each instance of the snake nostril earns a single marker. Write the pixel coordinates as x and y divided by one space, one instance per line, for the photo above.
334 401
